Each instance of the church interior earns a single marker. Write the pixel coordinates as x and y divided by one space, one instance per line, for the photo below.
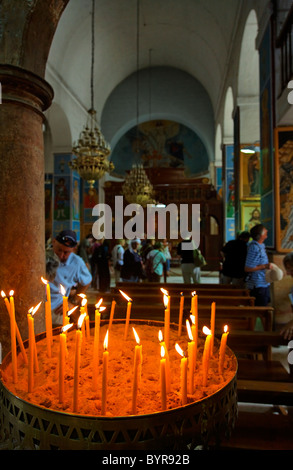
185 102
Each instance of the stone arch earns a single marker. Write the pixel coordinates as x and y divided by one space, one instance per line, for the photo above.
176 96
248 82
218 145
228 129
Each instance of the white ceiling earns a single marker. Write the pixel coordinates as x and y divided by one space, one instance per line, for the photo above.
191 35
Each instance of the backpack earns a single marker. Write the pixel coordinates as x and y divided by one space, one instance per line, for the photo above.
149 265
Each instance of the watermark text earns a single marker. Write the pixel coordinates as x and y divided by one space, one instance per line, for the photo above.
134 221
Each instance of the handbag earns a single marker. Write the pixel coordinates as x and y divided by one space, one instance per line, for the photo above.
198 259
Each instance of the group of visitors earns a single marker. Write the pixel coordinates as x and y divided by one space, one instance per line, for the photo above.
245 263
140 260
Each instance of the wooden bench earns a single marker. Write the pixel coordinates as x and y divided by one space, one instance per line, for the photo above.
236 317
260 379
177 288
157 298
265 391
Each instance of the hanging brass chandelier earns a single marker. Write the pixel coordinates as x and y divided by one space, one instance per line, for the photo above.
91 149
137 188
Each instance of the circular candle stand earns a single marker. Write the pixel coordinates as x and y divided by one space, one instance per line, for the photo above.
203 423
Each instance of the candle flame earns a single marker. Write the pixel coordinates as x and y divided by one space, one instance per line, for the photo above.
81 295
125 296
206 330
66 327
193 293
101 309
162 352
106 340
62 290
11 293
33 310
72 310
189 330
164 291
192 318
160 336
179 350
44 281
99 303
83 302
80 320
225 328
136 336
3 294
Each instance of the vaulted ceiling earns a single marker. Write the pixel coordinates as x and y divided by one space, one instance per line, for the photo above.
194 38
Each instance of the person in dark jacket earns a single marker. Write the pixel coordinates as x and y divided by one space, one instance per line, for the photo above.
234 256
132 263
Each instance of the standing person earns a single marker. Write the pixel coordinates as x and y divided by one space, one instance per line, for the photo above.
85 249
71 273
156 260
132 263
167 254
101 257
256 265
287 330
117 259
187 261
234 257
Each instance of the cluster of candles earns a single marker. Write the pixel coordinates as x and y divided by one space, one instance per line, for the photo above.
187 366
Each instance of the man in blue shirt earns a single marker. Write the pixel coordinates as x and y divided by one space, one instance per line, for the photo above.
256 264
72 273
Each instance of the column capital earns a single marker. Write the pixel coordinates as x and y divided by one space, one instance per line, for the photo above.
20 86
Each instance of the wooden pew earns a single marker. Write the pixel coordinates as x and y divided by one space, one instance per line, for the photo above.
157 298
177 288
260 379
237 317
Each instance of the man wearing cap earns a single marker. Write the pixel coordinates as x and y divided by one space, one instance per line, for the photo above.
72 273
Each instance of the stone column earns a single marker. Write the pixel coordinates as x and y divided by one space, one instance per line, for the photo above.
22 239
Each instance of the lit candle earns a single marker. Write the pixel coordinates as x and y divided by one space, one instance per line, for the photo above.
194 305
191 359
48 318
168 374
87 318
105 374
181 307
136 371
18 336
13 337
194 332
65 302
32 356
213 320
206 355
78 341
113 305
163 379
129 302
30 353
96 345
84 315
166 299
69 313
62 355
183 376
223 349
